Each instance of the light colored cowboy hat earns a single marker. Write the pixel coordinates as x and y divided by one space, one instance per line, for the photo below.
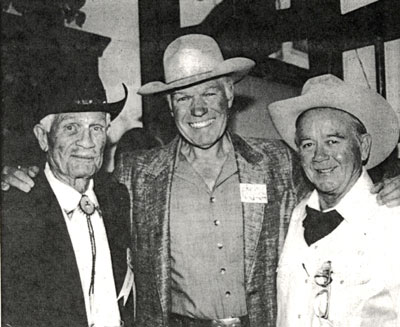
194 58
368 106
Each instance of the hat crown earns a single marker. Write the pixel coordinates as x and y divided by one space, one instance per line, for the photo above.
191 55
322 81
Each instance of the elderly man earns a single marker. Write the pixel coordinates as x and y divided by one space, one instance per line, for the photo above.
340 263
64 245
210 209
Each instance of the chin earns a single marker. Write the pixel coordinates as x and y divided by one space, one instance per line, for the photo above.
84 171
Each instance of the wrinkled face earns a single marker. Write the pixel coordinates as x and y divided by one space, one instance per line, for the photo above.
330 150
76 143
201 111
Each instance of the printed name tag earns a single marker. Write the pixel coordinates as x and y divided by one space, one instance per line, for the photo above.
253 193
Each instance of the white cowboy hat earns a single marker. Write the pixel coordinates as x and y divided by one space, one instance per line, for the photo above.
194 58
324 91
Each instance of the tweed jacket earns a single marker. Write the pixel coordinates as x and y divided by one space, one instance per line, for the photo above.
40 277
148 176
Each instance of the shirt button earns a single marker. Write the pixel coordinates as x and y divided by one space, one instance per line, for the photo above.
212 199
216 222
220 245
223 271
227 294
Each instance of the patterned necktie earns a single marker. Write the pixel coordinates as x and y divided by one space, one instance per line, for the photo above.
88 208
318 224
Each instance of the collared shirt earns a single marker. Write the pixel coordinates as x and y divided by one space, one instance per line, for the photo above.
103 311
363 250
207 243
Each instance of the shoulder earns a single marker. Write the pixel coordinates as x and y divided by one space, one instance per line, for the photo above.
299 210
20 210
273 153
15 199
267 145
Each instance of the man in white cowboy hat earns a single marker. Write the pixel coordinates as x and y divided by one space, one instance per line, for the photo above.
64 245
210 209
340 264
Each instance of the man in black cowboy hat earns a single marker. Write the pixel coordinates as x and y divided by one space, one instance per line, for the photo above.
64 245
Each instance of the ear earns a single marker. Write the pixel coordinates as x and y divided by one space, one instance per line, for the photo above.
230 93
41 136
169 100
365 146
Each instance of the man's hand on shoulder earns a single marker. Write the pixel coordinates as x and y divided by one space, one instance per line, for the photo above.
18 177
388 192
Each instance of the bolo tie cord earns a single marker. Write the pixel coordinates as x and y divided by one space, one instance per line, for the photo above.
93 247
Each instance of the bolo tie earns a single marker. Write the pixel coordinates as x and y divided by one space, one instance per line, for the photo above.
88 208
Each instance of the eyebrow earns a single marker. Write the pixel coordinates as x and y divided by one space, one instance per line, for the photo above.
338 135
179 93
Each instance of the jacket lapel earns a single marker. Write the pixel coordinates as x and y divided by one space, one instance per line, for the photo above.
62 275
113 199
159 181
253 213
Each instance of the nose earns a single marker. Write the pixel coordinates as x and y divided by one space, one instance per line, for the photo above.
320 153
86 140
199 107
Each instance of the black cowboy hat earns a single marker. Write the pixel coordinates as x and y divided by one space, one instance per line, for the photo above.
78 97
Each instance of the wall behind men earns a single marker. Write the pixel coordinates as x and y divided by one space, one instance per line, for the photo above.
120 62
253 95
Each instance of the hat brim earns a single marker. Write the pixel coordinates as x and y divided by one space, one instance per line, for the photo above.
235 67
370 108
113 108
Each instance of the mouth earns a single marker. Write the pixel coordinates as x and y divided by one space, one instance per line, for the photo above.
325 171
81 157
202 124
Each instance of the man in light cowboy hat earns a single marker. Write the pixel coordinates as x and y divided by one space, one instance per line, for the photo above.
64 245
339 265
210 209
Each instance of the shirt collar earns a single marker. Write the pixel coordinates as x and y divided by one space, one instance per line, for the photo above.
67 196
356 205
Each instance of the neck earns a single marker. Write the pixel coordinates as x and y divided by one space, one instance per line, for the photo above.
79 184
215 153
329 200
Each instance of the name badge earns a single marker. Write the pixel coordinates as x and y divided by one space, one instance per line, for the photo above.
253 193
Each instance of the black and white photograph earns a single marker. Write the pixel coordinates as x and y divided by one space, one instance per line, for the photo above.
200 163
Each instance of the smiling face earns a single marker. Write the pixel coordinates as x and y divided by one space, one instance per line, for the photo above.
75 145
331 151
201 111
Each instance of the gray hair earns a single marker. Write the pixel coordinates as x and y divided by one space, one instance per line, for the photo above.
47 122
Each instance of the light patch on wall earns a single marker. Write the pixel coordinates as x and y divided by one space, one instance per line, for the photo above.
120 62
359 67
350 5
282 4
392 71
193 12
295 53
